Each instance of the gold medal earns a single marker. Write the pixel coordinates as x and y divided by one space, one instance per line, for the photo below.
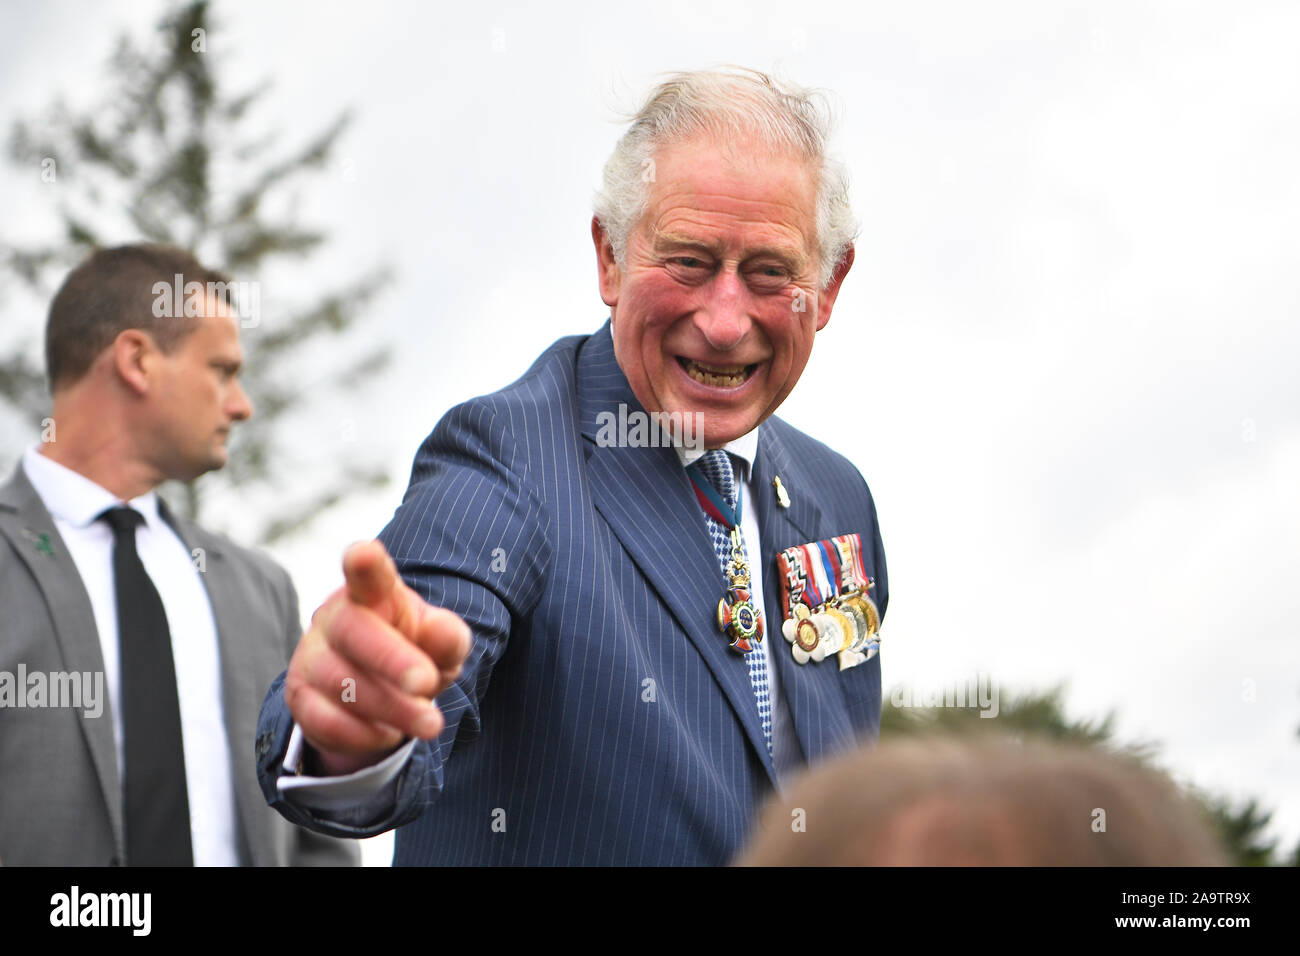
802 634
867 608
847 629
805 631
860 627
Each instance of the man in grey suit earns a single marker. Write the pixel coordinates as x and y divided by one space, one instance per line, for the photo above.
135 645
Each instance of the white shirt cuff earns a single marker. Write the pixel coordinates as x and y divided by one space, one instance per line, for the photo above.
337 793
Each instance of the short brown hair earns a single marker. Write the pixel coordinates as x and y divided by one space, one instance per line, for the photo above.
111 291
934 800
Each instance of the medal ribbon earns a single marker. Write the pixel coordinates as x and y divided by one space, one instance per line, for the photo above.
792 569
859 571
831 558
712 502
847 548
816 585
825 578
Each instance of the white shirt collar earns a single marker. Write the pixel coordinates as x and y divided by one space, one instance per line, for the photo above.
74 498
745 448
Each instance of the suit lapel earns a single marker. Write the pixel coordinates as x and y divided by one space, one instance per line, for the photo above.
645 496
239 696
23 519
813 691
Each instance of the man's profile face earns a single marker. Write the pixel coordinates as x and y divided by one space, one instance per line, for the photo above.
717 307
198 396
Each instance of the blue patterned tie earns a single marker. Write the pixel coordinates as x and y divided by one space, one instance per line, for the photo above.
716 466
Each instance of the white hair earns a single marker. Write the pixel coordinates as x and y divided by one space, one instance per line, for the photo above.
728 104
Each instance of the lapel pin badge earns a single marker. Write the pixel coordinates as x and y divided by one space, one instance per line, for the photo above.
41 540
782 498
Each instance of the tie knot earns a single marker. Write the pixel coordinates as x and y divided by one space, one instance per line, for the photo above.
123 521
716 466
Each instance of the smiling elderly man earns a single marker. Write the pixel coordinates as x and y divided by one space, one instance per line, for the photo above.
630 644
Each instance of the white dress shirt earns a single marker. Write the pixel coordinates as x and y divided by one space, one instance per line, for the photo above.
345 792
75 502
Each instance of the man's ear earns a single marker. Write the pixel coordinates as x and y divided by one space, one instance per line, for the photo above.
826 298
134 356
607 270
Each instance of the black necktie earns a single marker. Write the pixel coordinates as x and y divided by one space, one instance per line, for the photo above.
157 803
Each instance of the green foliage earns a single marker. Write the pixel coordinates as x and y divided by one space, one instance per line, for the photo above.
1042 714
1038 712
1242 829
169 157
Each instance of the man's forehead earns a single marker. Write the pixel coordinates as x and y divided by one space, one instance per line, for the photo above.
789 236
699 179
217 305
702 162
219 321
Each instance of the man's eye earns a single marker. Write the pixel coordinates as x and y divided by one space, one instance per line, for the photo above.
769 277
689 269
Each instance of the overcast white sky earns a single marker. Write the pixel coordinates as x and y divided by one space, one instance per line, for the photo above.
1074 315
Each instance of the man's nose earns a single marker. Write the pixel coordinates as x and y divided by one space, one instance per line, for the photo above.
723 318
241 406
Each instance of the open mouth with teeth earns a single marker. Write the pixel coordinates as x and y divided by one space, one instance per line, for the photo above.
718 376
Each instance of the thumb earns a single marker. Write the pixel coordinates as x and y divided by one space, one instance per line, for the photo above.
372 579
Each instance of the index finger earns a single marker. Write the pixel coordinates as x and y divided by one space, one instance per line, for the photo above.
374 582
370 573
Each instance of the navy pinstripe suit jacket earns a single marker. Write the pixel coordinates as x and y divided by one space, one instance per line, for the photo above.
601 717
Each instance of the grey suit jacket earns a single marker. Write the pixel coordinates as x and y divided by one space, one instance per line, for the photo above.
60 792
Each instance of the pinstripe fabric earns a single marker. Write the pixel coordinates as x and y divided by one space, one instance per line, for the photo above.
600 718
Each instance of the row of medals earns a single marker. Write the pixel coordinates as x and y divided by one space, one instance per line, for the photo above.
847 625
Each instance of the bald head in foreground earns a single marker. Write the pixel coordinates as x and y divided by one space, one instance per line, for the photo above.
997 802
